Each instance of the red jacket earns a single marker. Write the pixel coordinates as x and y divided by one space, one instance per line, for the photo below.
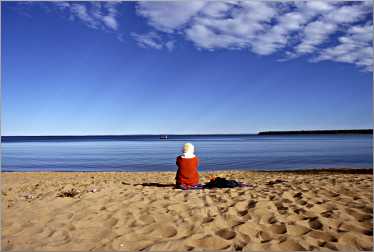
187 171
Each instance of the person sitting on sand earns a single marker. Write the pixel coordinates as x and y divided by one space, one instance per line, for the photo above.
187 176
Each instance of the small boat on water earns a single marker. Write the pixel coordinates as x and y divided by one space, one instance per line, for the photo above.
165 137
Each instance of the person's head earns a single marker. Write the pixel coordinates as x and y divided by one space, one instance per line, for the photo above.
188 148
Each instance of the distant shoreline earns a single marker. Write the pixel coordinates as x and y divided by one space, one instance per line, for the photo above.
171 136
113 137
316 132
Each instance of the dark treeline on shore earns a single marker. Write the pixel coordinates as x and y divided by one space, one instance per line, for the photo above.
303 132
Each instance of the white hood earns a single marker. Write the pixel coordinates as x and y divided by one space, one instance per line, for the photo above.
188 151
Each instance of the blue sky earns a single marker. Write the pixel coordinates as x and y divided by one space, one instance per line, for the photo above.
163 68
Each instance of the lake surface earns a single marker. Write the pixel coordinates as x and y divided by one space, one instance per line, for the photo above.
150 153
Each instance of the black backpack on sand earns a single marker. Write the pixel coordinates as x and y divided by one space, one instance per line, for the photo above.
222 183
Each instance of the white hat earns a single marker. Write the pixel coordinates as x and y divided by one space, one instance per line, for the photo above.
188 150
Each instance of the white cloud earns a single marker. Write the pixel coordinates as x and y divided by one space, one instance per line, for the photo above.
148 40
235 29
361 33
314 34
167 16
152 40
347 14
204 37
216 9
298 28
323 30
354 47
277 36
96 15
317 32
170 45
110 22
318 6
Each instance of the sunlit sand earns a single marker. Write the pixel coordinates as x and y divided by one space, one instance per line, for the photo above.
142 211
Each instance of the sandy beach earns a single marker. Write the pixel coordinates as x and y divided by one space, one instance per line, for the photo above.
54 211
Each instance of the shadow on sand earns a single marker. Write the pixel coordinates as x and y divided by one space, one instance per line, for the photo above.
152 184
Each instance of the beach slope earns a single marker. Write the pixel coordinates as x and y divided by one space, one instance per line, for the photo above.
142 211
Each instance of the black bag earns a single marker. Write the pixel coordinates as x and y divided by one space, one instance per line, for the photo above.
222 183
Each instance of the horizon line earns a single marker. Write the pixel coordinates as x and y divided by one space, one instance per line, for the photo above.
188 134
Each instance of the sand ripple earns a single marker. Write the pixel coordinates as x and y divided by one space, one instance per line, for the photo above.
141 211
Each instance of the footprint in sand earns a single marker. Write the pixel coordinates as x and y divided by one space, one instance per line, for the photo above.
263 236
281 208
226 234
299 211
245 216
368 232
364 243
29 231
207 220
58 237
327 214
156 231
267 218
210 242
344 228
352 242
360 217
111 222
325 236
147 219
315 223
166 231
241 205
301 202
272 220
278 228
297 230
252 204
288 245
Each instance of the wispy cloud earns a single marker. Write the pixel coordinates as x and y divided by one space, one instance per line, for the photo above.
96 15
323 30
314 34
317 32
167 16
234 28
354 47
152 40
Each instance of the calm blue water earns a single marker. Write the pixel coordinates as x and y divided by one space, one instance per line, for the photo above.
215 153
